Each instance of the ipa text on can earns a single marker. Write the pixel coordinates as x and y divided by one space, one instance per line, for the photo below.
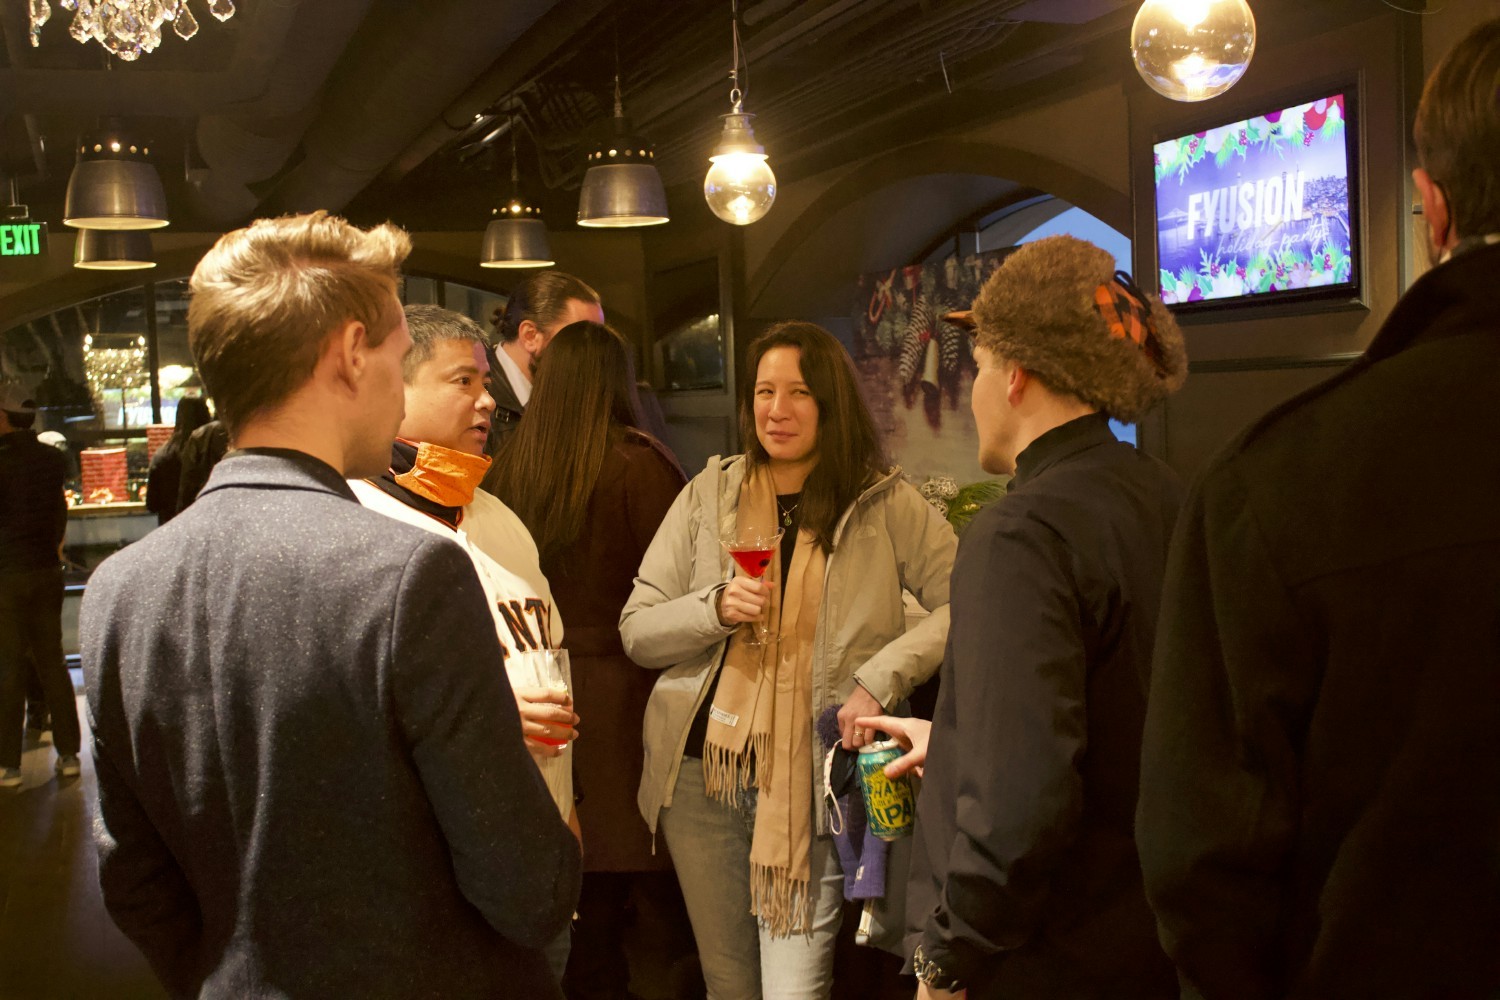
890 805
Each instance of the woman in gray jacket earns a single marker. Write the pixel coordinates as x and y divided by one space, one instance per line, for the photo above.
732 770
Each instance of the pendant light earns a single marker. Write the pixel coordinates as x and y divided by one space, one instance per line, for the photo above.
114 186
516 236
1192 50
740 187
113 250
622 187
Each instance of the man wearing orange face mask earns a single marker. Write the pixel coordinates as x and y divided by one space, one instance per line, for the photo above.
437 462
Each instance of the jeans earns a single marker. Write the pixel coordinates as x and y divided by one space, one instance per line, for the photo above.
31 633
710 845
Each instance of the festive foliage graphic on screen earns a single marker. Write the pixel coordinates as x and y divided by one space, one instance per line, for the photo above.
1256 206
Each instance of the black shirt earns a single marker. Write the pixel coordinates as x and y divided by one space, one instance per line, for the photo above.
33 513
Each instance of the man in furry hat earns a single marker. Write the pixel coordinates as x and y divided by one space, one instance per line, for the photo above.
1025 881
1320 782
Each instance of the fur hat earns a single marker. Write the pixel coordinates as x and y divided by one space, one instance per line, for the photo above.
1040 311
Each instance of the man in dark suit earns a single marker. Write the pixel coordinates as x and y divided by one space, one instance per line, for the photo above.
311 775
538 307
1320 784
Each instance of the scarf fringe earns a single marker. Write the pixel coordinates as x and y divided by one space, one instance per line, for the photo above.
782 903
726 773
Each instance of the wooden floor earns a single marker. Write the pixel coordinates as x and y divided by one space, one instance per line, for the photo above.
56 941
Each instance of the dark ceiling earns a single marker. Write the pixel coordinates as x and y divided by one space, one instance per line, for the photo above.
401 109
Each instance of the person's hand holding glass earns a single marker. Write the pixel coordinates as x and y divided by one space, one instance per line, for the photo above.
542 682
747 596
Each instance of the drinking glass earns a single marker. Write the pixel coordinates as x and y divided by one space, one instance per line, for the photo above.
544 668
755 552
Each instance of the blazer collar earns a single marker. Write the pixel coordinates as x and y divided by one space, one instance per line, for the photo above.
276 469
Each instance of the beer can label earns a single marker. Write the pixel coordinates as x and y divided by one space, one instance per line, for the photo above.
890 805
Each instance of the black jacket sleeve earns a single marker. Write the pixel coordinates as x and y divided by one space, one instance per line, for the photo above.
513 856
1019 675
1216 817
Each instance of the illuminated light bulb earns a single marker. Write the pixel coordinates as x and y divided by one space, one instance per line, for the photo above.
1192 50
1189 13
740 186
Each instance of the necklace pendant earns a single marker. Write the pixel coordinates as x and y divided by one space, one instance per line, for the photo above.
786 520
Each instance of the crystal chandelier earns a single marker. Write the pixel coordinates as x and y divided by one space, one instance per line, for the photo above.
126 28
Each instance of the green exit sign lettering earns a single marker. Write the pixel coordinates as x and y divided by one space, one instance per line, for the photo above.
23 239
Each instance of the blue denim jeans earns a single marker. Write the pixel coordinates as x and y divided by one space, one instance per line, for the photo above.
710 845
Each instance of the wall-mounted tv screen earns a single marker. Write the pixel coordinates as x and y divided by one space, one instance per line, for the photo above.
1259 209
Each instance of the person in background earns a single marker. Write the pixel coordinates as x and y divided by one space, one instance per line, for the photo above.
432 483
542 304
592 487
1320 785
312 779
730 771
1025 881
33 519
201 451
165 478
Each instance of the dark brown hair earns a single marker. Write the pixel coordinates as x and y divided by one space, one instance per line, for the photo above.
541 298
1457 130
582 401
266 297
849 450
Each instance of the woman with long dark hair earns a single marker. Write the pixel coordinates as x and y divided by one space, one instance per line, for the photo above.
730 771
591 487
166 465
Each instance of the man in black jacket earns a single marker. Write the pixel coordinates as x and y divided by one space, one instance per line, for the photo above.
538 307
1320 789
1025 882
33 519
312 781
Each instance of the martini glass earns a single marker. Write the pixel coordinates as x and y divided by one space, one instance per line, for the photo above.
754 552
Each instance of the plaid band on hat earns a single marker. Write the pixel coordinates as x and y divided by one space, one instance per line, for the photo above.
1127 314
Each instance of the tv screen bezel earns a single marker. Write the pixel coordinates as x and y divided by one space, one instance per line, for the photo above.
1350 294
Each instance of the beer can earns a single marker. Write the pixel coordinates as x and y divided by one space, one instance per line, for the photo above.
890 804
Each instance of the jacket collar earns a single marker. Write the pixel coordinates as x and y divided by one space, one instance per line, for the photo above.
276 469
1061 443
1456 297
729 473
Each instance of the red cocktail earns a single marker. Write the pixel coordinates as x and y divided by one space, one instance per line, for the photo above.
754 552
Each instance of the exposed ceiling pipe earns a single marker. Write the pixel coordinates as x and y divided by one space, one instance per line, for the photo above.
249 143
386 92
541 43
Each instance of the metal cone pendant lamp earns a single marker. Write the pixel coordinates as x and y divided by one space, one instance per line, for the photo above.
622 187
113 250
114 186
516 236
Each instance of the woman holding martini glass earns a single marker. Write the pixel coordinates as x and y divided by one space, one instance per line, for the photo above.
732 776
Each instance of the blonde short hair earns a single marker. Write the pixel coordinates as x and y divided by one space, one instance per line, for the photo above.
1038 311
265 298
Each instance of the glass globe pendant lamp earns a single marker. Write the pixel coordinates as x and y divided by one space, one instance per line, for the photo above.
740 186
1192 50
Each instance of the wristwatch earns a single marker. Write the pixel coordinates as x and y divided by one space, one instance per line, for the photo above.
929 972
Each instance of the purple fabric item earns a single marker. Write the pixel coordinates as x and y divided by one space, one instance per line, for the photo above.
861 854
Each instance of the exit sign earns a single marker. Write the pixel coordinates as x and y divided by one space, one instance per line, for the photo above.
23 239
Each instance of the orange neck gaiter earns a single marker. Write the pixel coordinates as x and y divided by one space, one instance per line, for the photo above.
444 476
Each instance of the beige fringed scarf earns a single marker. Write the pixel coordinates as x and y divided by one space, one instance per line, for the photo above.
761 726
